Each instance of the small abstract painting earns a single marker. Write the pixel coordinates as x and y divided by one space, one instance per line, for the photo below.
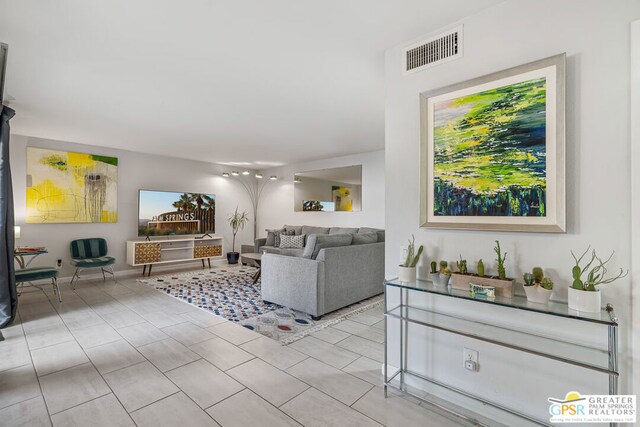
69 187
342 198
491 152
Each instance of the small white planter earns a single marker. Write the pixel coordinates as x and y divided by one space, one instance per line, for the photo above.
406 274
538 294
586 301
440 279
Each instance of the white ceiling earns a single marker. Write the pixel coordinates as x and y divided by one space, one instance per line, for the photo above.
247 82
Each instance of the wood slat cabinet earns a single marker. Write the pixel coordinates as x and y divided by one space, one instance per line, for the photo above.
165 251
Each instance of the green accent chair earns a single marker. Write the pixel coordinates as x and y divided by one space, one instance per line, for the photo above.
39 273
91 253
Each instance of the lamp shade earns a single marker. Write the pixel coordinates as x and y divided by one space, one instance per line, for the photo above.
16 231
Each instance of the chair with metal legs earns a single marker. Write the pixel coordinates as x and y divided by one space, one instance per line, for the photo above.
27 275
91 253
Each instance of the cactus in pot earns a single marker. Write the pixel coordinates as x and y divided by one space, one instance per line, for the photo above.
480 268
546 283
462 265
407 271
442 278
443 265
528 279
502 274
538 274
434 267
537 287
584 295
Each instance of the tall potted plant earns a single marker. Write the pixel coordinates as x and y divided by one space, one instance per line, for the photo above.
237 221
584 295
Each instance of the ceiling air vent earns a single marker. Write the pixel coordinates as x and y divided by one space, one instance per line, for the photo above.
434 51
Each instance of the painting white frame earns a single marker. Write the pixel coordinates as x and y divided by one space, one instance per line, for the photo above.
553 69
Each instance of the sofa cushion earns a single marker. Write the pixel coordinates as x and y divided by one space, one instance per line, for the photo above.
291 252
364 238
271 237
308 229
270 249
380 231
292 242
316 242
297 229
342 230
102 261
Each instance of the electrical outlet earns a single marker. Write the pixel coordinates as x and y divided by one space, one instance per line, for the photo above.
470 359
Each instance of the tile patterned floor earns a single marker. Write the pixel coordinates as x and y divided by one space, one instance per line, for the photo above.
125 354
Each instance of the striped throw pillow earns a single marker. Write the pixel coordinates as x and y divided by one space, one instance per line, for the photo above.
292 242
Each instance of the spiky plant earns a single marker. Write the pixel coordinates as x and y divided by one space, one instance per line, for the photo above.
413 257
502 274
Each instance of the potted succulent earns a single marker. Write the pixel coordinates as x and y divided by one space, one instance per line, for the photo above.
537 287
584 295
407 270
441 278
237 221
502 284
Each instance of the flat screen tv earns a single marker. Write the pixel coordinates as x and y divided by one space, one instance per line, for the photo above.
166 213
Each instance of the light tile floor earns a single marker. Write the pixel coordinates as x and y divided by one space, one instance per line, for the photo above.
125 354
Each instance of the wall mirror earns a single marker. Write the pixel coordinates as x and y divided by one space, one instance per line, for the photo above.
329 190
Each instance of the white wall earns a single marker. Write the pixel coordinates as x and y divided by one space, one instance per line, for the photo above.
276 204
635 199
595 36
135 171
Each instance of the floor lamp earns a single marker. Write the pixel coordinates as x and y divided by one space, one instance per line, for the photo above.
253 188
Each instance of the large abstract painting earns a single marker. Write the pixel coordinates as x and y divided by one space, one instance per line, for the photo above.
493 151
68 187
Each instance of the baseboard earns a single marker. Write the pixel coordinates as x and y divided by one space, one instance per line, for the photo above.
131 272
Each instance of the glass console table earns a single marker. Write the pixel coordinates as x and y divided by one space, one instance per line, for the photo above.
600 360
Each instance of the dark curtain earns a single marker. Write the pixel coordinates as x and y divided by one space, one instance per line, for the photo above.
8 296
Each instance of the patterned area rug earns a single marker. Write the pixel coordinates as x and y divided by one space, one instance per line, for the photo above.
230 293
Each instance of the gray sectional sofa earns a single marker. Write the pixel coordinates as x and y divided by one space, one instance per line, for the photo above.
336 268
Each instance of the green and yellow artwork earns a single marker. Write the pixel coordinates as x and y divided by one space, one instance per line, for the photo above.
489 152
68 187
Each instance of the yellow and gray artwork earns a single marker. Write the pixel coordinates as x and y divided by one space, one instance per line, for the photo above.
68 187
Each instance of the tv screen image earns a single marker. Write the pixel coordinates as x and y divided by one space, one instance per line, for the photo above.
166 213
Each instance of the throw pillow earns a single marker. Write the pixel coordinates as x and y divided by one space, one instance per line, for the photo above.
293 242
316 242
297 229
271 237
279 235
363 239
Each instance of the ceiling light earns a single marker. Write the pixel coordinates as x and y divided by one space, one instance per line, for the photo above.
273 177
225 174
297 180
235 173
259 175
246 173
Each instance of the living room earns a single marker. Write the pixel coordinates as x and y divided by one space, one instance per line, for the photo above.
388 223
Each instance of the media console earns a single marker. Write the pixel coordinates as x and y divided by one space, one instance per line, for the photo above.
166 251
